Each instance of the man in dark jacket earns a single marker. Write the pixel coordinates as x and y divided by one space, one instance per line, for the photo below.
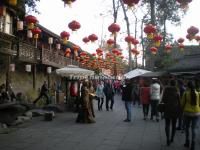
109 93
43 92
126 97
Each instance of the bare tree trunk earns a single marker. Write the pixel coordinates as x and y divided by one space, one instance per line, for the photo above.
153 17
128 32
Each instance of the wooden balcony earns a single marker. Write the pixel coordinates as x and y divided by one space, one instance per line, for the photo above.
54 59
7 44
28 53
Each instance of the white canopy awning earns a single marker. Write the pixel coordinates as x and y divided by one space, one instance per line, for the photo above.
135 73
74 71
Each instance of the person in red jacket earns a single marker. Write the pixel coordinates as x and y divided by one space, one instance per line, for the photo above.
145 99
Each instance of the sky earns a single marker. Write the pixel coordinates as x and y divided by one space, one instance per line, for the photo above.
95 16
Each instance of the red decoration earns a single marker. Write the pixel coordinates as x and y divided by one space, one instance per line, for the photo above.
114 28
184 3
197 38
131 3
31 21
115 51
150 30
76 48
192 31
74 25
67 52
69 2
135 41
129 39
135 51
92 37
64 36
180 40
157 38
83 54
36 31
99 52
110 42
85 40
168 48
153 50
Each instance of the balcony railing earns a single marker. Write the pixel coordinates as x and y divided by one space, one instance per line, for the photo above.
7 44
28 53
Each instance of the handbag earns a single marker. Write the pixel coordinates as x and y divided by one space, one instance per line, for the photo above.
161 107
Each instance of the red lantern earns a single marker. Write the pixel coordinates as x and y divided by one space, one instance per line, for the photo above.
153 50
158 38
135 41
67 52
129 39
180 40
150 30
192 31
135 51
99 52
94 54
76 48
168 48
184 3
115 51
69 2
83 54
110 42
31 21
114 28
74 25
197 38
85 40
36 31
190 37
92 37
64 36
131 3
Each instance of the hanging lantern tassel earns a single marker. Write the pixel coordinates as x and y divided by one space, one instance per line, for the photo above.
157 43
150 35
65 40
30 26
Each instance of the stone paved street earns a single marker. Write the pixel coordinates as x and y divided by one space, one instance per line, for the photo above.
108 133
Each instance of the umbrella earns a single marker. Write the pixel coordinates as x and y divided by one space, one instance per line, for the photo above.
74 71
135 73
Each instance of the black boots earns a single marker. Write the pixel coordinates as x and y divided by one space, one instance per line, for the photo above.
187 144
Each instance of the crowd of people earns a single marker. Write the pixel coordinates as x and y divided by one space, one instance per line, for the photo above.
177 102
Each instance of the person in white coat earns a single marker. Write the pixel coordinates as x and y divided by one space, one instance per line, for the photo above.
155 98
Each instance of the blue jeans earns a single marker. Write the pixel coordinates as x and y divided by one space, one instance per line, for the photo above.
128 109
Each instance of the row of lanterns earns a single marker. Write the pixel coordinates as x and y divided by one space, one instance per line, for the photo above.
27 68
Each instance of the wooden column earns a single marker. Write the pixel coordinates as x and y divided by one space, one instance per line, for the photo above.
34 76
7 71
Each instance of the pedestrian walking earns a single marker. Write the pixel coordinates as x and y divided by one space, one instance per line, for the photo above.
85 113
155 98
191 112
171 100
145 99
181 88
109 93
126 97
43 92
100 95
